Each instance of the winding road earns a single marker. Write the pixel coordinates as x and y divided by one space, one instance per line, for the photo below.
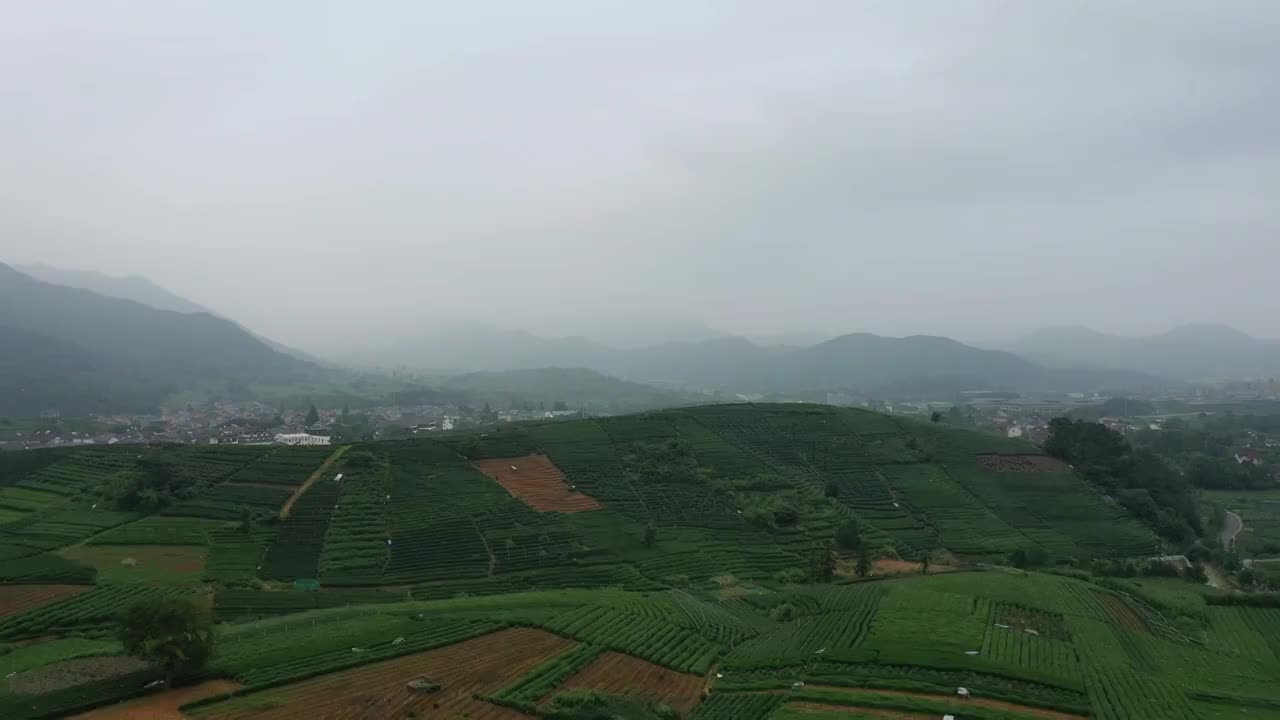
1231 527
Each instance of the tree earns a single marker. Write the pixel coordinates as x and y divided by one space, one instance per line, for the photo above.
935 417
246 519
1018 558
924 563
346 409
1196 574
863 568
832 490
313 416
650 535
848 536
173 633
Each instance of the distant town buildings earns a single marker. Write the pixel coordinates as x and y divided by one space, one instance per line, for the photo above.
300 439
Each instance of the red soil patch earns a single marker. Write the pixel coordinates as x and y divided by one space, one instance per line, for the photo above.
538 482
1021 463
482 665
960 704
620 674
162 705
16 599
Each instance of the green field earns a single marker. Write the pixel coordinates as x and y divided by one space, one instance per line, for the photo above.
699 563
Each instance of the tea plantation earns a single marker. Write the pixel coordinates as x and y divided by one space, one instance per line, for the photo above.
702 572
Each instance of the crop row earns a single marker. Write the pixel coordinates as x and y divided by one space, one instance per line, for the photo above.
45 568
356 544
224 502
724 706
284 466
235 603
160 530
654 640
235 555
435 635
94 609
295 551
525 693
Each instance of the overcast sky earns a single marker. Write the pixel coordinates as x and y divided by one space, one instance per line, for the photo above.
974 169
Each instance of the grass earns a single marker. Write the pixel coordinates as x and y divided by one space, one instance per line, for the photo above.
152 564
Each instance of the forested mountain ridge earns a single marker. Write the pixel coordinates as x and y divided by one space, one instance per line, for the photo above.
125 354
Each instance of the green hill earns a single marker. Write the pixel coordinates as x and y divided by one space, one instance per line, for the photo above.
655 554
78 352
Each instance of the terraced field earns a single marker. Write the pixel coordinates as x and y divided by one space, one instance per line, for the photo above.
673 557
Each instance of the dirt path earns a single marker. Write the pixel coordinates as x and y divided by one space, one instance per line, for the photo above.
319 473
1027 710
1231 526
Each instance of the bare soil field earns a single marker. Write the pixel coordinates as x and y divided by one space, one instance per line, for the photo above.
379 691
16 599
538 482
162 705
1021 463
70 673
620 674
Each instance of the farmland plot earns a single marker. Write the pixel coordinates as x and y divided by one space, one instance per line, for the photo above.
619 674
538 482
470 668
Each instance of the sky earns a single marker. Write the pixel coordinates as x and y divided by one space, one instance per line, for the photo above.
324 172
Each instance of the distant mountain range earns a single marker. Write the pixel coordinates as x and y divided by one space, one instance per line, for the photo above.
1193 353
911 366
78 351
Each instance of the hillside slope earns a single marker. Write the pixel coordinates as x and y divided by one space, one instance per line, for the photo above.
122 349
656 555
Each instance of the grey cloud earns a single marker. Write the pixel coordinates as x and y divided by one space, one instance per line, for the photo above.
973 168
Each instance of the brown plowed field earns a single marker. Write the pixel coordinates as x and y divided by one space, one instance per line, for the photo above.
620 674
538 482
161 705
1021 463
378 692
16 599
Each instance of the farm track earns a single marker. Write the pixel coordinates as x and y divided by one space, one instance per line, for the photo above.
1033 712
319 472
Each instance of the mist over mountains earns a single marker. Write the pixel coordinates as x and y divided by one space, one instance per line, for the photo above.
1193 353
86 342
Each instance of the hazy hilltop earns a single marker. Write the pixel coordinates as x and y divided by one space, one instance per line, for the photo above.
79 351
920 365
133 287
1189 352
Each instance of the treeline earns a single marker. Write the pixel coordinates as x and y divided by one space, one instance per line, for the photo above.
1139 479
1206 452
